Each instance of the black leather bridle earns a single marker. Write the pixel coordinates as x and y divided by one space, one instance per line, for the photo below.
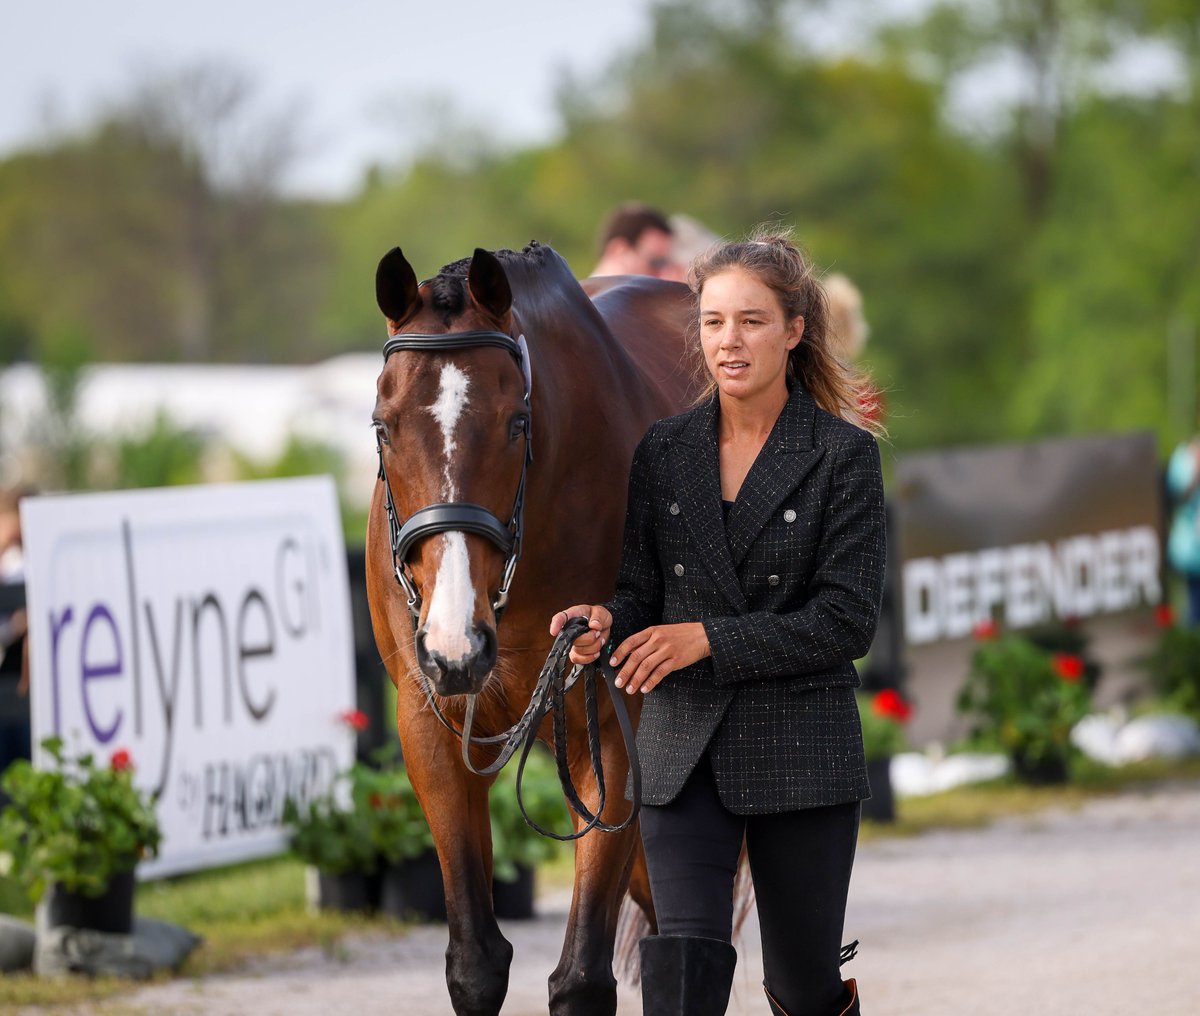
462 516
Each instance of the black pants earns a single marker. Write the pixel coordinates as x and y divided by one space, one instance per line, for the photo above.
800 862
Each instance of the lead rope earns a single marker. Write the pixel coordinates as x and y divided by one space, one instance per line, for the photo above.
549 694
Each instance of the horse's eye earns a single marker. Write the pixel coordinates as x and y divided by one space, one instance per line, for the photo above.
381 434
518 425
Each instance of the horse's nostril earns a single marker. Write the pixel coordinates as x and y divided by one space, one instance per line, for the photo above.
485 658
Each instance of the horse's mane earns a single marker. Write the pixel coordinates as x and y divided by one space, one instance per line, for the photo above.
542 282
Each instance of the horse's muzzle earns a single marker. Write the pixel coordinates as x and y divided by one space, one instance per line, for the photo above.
464 676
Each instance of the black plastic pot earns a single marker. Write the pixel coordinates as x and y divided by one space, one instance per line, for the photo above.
1045 771
513 901
111 911
349 891
881 805
412 890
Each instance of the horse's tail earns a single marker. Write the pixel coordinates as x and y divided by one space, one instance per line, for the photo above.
633 924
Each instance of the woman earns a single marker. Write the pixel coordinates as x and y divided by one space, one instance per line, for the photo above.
750 580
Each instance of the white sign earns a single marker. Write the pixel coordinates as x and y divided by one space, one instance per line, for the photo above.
206 631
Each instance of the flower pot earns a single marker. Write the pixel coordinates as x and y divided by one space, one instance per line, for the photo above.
514 900
412 890
347 891
881 805
111 911
1043 771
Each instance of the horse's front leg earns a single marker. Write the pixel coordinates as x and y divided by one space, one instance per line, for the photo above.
456 805
583 983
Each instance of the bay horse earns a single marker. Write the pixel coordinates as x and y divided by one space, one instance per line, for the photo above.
504 386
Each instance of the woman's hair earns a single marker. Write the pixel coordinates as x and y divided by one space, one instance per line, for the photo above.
771 256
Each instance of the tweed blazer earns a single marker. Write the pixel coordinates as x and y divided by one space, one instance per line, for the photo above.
788 590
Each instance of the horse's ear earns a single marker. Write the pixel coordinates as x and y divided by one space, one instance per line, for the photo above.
488 283
396 286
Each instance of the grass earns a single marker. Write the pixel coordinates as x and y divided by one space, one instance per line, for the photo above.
258 908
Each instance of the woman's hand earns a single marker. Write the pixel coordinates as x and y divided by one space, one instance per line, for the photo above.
586 648
646 658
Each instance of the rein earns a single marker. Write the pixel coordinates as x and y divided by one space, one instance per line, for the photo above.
549 694
553 683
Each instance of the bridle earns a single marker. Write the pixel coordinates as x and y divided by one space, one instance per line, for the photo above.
552 683
461 516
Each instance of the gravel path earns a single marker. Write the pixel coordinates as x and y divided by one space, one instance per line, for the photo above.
1094 912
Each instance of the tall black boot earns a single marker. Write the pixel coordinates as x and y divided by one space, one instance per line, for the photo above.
686 976
847 1004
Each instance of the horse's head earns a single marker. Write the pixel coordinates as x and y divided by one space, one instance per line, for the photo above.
453 426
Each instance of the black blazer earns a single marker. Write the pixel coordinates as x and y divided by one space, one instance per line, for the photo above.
788 592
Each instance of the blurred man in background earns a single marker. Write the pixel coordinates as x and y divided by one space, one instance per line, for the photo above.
636 240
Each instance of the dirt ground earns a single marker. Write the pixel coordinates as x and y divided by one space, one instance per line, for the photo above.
1094 912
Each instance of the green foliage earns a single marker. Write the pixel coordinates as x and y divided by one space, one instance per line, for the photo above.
76 824
1024 699
514 841
396 826
164 455
301 456
1174 668
381 821
334 839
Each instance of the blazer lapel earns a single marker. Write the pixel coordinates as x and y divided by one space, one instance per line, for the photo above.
697 486
783 462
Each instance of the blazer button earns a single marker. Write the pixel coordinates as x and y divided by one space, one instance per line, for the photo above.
772 580
679 570
674 509
789 516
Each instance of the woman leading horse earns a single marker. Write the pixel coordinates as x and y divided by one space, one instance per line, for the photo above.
503 387
750 581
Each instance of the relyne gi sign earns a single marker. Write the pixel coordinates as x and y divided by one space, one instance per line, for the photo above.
1062 530
207 631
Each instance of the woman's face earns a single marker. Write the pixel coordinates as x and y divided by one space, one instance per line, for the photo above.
745 335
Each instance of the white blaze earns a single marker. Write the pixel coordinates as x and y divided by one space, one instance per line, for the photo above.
447 409
448 623
448 627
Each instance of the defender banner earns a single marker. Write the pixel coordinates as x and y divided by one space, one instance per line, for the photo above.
206 631
1027 534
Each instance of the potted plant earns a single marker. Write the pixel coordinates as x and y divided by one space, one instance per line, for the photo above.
75 832
331 834
883 716
517 848
411 877
1024 700
335 843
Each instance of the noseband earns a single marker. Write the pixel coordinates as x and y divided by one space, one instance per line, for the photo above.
460 516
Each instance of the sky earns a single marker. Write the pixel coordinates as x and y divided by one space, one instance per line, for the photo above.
358 69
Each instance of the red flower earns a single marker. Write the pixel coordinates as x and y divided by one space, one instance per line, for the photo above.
891 704
375 800
985 630
1069 668
1164 616
356 719
120 761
